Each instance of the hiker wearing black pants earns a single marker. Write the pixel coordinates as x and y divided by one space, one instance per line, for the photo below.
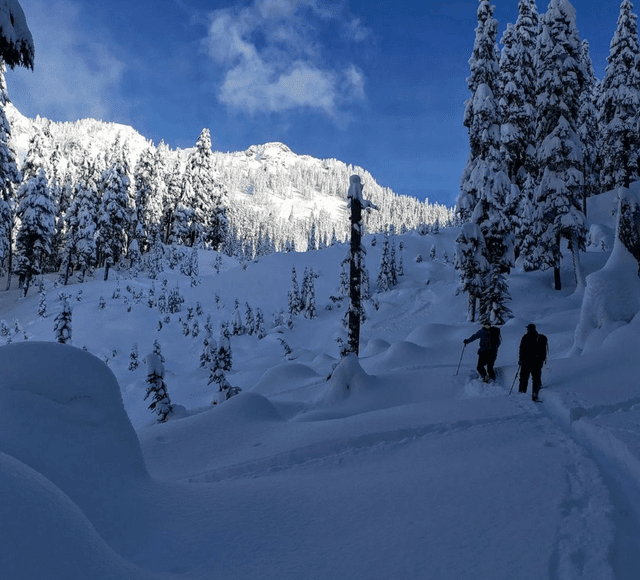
488 351
531 357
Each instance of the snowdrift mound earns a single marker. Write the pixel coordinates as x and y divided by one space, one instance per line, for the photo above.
62 414
196 444
46 535
433 335
348 381
403 354
248 408
611 298
374 348
283 377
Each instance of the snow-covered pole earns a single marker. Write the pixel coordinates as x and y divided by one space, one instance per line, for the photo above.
356 203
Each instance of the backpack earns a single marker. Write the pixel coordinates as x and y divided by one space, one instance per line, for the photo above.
542 346
494 338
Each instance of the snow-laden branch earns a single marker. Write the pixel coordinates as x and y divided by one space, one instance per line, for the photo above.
16 42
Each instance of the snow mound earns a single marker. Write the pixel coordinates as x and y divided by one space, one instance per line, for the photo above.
46 535
434 334
348 381
249 407
403 354
62 414
375 347
197 444
283 377
611 298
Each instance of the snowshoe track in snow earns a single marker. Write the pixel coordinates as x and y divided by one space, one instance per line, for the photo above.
338 449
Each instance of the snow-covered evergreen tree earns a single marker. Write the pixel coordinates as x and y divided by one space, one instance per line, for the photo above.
62 324
79 241
619 103
385 280
218 377
628 225
175 300
42 306
224 349
156 257
150 186
517 93
172 193
238 327
206 195
481 110
311 242
259 324
470 261
393 264
182 225
217 265
10 178
209 350
295 301
588 128
249 320
560 82
134 358
112 216
33 241
309 294
157 388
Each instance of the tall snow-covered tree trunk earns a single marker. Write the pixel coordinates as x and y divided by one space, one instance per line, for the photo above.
577 263
356 204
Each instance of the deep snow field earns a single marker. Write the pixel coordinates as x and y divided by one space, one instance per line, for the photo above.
390 466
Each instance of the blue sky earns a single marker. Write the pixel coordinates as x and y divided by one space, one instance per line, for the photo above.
375 83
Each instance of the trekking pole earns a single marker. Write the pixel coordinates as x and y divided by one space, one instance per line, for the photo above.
514 379
461 355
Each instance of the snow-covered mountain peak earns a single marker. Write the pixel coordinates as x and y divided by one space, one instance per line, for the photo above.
272 148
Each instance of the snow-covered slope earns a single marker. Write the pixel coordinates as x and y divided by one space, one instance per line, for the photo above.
392 465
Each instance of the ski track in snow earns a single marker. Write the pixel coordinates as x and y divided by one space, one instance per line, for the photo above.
336 450
586 507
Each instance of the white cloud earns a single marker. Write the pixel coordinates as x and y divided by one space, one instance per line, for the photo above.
75 74
271 56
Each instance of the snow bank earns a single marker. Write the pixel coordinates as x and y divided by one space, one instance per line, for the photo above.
45 535
62 414
611 298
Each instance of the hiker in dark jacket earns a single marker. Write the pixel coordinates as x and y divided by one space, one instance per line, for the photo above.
487 353
531 357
